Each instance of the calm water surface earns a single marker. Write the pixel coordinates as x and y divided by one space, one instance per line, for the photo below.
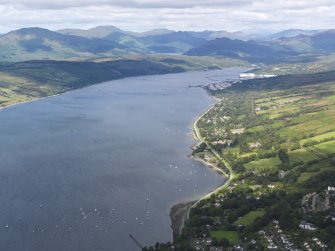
82 170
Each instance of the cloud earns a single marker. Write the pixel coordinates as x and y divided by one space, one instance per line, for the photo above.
42 4
141 15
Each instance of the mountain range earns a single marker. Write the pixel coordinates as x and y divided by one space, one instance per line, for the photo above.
323 42
246 50
109 41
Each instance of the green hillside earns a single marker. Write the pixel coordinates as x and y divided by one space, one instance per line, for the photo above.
28 80
276 139
33 79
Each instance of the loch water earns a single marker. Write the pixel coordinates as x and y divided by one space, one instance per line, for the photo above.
83 170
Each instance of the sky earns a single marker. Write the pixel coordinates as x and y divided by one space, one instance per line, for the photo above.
143 15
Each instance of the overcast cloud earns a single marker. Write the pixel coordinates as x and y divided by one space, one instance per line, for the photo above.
142 15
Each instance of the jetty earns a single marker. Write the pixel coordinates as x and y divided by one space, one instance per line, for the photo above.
136 241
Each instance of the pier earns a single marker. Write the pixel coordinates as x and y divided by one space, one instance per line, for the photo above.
136 241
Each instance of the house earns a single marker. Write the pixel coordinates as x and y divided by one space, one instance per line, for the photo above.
216 249
247 75
307 226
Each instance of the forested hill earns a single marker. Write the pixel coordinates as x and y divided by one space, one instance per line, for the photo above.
33 79
27 80
247 50
283 82
75 74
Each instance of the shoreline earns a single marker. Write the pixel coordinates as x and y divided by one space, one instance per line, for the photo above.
179 213
34 99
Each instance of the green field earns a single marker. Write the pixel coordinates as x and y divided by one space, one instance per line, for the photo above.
302 116
301 155
306 176
231 236
249 218
262 127
318 137
327 147
317 123
263 165
314 170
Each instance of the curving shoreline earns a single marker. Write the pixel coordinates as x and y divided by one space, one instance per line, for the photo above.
179 213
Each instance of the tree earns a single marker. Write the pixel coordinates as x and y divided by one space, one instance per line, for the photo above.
224 242
284 158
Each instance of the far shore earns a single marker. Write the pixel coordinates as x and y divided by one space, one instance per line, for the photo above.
33 99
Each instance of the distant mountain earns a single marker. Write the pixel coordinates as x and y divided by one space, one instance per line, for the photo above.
130 43
154 41
300 43
323 42
210 35
38 43
293 33
247 50
96 32
157 40
105 31
175 42
255 34
154 32
109 41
